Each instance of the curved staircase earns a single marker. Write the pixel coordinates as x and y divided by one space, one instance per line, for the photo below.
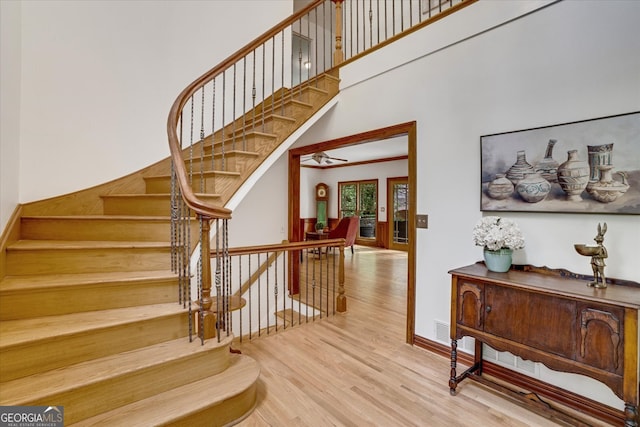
88 304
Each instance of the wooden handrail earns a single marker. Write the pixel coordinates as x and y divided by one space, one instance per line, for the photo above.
293 246
276 250
199 206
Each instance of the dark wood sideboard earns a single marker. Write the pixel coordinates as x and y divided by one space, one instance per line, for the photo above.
553 318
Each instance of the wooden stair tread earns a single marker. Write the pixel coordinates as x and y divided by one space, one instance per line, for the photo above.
174 404
317 89
208 173
150 195
204 174
149 218
244 153
52 281
315 300
156 196
30 245
298 317
71 377
22 331
273 113
292 317
256 123
248 133
300 103
267 115
227 153
287 98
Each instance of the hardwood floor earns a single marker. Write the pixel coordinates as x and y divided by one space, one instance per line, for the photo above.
355 369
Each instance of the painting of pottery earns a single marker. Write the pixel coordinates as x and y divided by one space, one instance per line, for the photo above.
588 166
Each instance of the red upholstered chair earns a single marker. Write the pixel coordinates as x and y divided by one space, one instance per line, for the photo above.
346 229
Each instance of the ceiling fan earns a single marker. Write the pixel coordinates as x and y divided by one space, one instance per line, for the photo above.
323 158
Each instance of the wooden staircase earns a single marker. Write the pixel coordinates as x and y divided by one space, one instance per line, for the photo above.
89 317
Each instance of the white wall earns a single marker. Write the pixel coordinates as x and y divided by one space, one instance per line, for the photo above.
98 79
262 215
565 62
10 12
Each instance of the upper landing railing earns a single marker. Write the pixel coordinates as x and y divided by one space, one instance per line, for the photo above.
214 119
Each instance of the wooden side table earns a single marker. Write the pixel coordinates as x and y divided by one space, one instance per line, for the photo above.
316 235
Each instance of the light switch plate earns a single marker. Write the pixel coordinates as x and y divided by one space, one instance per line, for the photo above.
422 221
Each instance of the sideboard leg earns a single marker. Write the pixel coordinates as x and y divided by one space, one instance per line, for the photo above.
631 415
452 377
477 356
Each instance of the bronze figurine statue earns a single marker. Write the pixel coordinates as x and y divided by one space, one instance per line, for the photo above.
598 254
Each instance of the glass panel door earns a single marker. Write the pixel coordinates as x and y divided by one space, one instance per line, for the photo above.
360 198
398 194
368 206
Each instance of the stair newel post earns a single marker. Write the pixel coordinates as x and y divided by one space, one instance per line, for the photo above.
341 299
207 318
338 55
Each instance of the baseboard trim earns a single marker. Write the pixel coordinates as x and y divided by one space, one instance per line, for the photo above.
563 397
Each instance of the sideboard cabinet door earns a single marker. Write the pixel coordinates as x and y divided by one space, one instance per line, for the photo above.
601 337
470 304
536 320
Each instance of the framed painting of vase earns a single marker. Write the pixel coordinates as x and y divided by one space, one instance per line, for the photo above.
588 166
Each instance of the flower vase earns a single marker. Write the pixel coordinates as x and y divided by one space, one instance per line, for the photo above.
499 260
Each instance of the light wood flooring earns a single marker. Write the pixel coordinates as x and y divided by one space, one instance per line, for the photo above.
356 370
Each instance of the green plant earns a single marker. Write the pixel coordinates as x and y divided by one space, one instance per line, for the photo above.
319 226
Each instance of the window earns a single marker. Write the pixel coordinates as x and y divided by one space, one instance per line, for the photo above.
360 198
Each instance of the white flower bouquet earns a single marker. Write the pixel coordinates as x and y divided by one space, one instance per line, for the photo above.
495 233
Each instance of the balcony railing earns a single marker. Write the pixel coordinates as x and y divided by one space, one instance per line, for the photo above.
265 289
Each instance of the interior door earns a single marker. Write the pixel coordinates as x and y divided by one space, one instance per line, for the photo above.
398 215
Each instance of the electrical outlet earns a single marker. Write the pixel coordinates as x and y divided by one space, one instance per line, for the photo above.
422 221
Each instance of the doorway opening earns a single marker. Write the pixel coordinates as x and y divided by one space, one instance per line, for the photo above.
296 228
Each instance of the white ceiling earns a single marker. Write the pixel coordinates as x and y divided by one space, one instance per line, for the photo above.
392 147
